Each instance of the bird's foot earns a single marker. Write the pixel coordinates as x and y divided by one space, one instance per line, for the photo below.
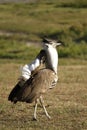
49 117
34 119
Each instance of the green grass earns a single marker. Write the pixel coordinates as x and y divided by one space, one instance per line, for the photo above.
64 20
18 51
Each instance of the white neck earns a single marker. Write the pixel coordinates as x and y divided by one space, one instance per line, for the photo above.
52 58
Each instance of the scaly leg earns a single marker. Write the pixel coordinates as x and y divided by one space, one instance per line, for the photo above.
42 103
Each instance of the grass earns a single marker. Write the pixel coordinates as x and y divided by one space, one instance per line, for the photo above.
66 103
20 25
64 20
21 51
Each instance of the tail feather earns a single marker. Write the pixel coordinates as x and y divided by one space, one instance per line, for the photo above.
15 91
24 91
21 91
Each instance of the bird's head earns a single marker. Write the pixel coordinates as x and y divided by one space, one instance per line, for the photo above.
49 42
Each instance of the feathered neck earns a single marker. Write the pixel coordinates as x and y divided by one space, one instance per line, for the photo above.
52 58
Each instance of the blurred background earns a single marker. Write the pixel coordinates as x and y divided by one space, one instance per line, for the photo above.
23 23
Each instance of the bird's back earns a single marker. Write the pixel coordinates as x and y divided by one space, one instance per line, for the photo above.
38 84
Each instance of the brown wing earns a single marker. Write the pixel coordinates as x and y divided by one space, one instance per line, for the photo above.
39 84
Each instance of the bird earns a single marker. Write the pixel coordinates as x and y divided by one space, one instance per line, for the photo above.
40 81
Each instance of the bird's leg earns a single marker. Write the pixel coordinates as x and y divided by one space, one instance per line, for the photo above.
35 109
42 103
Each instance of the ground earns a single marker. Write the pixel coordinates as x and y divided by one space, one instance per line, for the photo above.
66 103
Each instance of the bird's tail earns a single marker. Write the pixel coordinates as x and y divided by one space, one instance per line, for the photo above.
13 96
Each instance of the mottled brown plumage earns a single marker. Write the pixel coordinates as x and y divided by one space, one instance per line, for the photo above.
36 86
33 88
40 80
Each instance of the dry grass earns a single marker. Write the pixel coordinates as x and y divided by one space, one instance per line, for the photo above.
67 103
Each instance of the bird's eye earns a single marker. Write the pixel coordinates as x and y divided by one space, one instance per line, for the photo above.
51 43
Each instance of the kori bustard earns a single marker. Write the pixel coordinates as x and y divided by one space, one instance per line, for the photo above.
40 81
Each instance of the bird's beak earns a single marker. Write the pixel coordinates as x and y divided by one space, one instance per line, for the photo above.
59 43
